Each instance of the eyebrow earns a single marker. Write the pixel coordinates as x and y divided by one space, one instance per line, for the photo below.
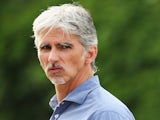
66 44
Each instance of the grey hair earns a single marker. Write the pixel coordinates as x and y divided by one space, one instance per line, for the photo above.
70 18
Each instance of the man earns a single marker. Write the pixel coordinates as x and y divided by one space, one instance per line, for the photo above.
66 41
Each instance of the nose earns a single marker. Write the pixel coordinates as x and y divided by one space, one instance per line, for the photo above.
53 56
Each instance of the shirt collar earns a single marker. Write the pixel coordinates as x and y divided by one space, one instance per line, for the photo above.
79 94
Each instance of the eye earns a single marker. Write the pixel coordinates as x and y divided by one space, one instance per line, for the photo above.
64 46
45 47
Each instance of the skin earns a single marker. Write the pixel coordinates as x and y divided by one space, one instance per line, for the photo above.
65 61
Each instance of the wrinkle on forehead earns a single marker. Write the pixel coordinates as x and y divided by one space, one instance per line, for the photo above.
57 31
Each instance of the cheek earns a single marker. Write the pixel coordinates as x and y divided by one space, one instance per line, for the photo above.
42 60
77 60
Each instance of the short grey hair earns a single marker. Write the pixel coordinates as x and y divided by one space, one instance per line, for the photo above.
71 18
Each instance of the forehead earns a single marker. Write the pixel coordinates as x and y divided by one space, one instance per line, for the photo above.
59 35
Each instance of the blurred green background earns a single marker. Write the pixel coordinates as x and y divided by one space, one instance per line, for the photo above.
128 59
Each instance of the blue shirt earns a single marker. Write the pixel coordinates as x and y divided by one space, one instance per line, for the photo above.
90 101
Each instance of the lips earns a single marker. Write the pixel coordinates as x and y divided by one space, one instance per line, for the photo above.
54 70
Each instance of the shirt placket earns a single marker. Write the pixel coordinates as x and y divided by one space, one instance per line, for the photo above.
60 109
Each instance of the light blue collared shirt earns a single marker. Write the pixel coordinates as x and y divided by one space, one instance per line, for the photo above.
90 101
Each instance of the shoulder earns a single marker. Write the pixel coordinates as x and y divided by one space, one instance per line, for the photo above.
108 107
103 99
109 115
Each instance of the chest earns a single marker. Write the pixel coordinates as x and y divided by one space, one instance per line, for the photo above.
76 112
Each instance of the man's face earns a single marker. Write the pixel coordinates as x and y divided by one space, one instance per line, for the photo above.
62 56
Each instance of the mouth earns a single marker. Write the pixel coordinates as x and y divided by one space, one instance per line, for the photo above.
54 70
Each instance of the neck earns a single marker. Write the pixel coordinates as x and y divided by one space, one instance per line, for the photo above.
63 90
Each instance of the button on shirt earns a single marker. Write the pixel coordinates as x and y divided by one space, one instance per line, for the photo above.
90 101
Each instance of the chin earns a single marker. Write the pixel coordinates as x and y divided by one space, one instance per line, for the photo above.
58 81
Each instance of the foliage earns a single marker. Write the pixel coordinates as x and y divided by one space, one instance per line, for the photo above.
128 59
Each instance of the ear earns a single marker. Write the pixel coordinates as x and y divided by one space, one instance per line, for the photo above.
91 54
